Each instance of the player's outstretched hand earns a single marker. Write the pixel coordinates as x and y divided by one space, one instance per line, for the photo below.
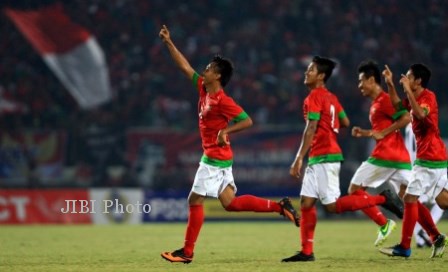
388 76
404 81
164 34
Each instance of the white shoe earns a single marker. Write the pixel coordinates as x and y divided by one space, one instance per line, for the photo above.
385 231
438 248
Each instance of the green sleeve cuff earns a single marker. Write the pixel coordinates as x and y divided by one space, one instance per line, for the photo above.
342 115
195 79
313 116
240 117
426 111
398 114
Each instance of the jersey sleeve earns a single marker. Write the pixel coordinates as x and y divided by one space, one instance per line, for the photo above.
314 107
197 83
340 111
390 111
428 103
232 111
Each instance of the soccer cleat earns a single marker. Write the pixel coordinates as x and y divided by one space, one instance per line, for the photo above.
300 257
396 251
177 256
385 231
392 203
438 248
288 211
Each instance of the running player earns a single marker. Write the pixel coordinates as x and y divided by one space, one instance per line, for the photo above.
389 160
324 116
214 176
429 174
422 239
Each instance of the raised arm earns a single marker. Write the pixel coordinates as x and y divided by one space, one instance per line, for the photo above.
417 111
177 56
388 77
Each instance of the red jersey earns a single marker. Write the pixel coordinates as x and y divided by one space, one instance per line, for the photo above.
324 106
391 150
215 112
431 151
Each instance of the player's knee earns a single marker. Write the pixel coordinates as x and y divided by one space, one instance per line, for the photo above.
331 208
442 202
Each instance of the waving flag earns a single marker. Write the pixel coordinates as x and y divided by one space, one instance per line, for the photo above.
70 51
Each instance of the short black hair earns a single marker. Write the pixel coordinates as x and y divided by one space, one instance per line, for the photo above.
224 67
324 65
370 68
421 71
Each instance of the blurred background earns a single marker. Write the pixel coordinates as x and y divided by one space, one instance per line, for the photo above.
90 98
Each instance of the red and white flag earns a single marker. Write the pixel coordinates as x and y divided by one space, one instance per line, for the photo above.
70 51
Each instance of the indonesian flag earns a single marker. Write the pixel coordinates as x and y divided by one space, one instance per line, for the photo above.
70 51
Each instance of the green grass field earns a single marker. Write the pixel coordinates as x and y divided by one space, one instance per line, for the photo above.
232 246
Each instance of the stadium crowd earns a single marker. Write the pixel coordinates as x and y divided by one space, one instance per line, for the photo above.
270 42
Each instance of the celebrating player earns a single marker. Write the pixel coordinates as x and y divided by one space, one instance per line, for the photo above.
429 174
389 160
324 116
214 176
421 237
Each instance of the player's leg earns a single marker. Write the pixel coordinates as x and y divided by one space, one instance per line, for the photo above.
201 186
315 177
251 203
370 175
441 191
374 212
246 203
423 179
442 197
195 221
308 223
421 237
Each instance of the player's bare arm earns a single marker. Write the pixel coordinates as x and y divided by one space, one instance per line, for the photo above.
359 132
223 138
388 78
398 124
344 122
305 144
417 111
177 56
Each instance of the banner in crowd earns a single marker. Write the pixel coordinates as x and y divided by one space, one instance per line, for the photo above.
44 207
32 157
169 159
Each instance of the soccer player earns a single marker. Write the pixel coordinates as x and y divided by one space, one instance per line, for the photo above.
214 176
421 237
389 160
324 116
429 174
